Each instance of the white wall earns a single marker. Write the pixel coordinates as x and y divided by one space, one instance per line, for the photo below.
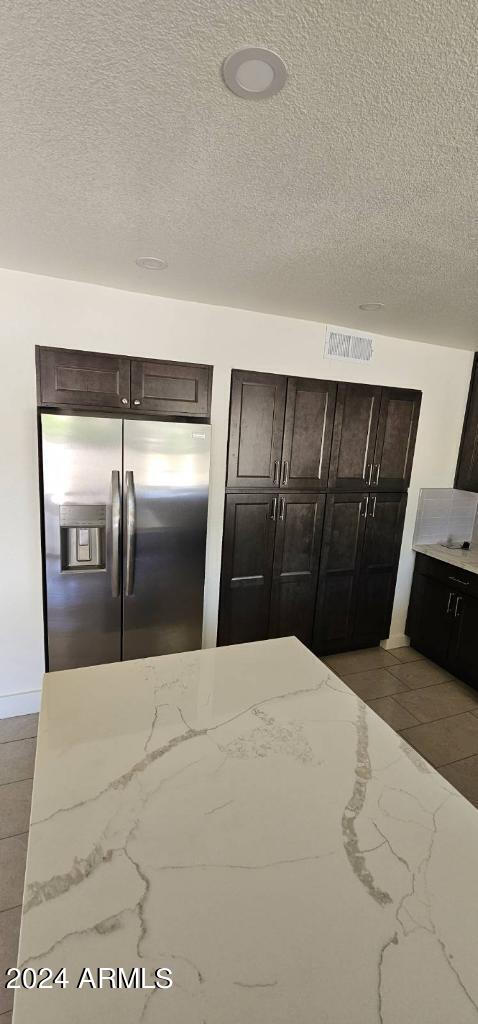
48 311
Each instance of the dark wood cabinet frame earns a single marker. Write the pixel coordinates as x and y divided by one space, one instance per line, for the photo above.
105 384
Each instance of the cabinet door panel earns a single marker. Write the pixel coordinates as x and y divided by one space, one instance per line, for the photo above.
342 544
296 564
430 617
464 645
180 389
354 435
396 434
255 429
308 426
246 568
378 567
81 380
467 469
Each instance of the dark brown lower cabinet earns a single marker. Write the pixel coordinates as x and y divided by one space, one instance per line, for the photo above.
358 569
247 556
443 616
270 566
296 565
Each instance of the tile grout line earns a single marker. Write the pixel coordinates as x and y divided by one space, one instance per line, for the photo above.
442 718
18 739
10 782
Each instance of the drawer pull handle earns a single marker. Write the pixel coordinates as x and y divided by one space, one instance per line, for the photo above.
450 598
463 583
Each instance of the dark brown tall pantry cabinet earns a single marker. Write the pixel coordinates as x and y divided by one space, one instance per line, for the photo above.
317 474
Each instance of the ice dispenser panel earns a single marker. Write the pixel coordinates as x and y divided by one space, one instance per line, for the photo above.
83 537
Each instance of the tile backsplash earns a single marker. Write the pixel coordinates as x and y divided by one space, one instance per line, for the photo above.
445 514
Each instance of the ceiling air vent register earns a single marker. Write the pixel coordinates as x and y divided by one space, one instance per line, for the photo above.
343 344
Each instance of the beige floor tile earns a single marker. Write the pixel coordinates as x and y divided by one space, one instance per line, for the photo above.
9 933
6 1018
373 684
405 654
392 713
449 739
439 701
359 661
17 760
15 802
13 855
463 775
19 728
417 674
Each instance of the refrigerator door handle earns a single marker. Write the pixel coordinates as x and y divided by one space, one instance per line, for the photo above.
130 532
115 532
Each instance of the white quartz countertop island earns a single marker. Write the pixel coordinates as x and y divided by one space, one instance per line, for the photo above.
240 817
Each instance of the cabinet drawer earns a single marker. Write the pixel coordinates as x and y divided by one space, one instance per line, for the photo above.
452 575
78 379
176 389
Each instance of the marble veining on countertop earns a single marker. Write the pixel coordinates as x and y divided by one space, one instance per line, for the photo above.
454 556
239 816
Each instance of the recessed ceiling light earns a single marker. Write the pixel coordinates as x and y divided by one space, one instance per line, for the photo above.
372 305
254 72
151 263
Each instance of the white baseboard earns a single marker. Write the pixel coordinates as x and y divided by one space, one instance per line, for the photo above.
399 640
26 703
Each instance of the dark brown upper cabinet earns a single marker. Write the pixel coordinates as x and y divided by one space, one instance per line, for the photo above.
82 379
296 564
355 431
247 558
280 431
359 560
309 419
170 389
467 468
90 380
396 435
374 437
255 429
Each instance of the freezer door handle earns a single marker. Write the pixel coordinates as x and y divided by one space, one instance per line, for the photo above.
115 532
130 532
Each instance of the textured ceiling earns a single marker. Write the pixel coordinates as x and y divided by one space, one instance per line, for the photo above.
357 183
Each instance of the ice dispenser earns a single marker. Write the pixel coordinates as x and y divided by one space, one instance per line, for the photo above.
83 537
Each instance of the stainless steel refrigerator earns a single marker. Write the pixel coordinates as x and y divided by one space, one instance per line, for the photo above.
124 520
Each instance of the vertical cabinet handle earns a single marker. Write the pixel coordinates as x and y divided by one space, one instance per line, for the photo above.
377 474
368 474
115 532
130 532
285 472
459 599
281 507
276 472
374 506
450 598
273 509
364 507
